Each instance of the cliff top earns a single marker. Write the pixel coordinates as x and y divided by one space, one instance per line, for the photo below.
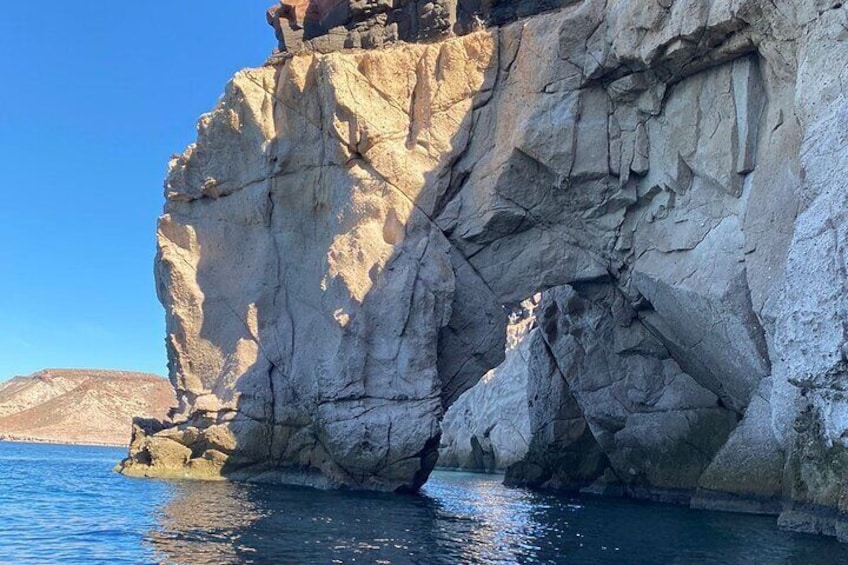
331 25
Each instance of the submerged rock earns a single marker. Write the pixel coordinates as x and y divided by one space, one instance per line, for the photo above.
337 247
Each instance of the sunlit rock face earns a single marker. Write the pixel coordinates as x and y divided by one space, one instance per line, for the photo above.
337 248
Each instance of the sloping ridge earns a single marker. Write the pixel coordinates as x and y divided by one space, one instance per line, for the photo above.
80 406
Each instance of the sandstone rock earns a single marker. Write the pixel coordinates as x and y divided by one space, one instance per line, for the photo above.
337 247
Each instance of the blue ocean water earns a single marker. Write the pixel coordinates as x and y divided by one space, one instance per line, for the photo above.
62 504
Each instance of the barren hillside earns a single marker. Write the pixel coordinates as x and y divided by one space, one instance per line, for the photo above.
80 406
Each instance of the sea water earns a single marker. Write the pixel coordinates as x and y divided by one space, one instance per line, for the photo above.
63 504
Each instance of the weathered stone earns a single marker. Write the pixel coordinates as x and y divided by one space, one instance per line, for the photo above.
657 426
747 473
337 247
563 452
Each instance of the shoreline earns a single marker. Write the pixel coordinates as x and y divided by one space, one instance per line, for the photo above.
31 440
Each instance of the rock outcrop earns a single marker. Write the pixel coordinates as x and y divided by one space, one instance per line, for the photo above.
337 247
599 373
74 406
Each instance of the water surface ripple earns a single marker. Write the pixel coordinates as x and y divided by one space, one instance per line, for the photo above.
61 504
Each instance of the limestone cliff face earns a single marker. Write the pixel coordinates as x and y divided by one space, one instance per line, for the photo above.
337 247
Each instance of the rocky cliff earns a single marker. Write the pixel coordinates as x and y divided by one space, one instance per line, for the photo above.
80 406
338 246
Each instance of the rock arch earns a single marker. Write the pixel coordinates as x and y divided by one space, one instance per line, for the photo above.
337 247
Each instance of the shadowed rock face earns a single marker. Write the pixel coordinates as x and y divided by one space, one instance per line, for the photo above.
488 428
337 247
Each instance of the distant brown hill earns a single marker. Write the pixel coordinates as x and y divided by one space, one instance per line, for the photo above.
80 406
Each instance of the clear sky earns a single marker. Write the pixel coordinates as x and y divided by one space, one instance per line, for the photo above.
94 98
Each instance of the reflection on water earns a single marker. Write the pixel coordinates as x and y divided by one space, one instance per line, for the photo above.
460 518
204 525
62 504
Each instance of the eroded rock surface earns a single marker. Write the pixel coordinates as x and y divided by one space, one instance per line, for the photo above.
337 247
304 318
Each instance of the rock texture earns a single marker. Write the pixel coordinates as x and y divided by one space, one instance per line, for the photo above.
337 247
598 373
317 315
331 25
80 406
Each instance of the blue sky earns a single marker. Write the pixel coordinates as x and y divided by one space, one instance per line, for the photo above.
95 98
